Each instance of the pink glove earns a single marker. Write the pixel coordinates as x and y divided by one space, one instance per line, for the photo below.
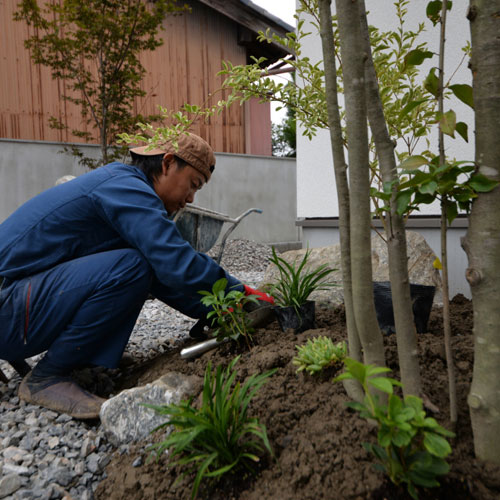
260 295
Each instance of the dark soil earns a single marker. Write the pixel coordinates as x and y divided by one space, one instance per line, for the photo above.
317 441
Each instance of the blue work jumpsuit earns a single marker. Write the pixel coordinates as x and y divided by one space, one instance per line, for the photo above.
78 261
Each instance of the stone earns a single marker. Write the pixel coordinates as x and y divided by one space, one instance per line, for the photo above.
9 484
86 448
420 266
125 419
93 464
14 454
20 470
53 442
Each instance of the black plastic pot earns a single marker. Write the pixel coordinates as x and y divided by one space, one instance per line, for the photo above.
422 297
305 319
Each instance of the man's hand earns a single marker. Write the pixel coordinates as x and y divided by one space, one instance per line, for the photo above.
260 295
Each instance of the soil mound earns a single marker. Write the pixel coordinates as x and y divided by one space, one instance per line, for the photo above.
317 441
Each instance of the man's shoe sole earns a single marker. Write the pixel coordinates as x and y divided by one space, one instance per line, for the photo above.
63 397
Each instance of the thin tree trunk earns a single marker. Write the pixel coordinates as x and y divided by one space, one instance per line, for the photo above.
482 242
395 229
359 181
340 169
446 320
444 251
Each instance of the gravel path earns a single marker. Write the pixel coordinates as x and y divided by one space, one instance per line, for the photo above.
47 455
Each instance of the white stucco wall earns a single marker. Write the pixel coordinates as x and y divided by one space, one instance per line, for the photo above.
316 194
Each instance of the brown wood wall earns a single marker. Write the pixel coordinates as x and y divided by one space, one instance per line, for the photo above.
182 70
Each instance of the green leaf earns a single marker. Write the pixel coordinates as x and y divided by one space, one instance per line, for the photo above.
381 383
451 211
384 436
462 129
447 122
410 107
403 201
416 57
436 444
433 11
431 83
482 184
464 93
428 188
395 406
414 402
413 162
424 480
376 370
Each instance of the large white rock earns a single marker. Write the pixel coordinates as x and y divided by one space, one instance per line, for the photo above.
125 419
420 266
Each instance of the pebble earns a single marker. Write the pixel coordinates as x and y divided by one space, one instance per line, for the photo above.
47 455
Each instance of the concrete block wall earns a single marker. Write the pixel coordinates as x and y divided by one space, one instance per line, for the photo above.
240 182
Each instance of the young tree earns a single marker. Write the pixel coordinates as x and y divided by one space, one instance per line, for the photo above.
353 67
482 242
94 46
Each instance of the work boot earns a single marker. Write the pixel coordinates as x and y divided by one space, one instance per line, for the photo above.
60 394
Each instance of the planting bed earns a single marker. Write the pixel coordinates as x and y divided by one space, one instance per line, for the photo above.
317 441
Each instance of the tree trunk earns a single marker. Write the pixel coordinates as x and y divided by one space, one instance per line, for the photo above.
340 169
352 54
444 250
450 363
482 242
395 229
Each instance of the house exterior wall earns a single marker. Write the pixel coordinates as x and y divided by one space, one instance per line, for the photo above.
183 69
316 192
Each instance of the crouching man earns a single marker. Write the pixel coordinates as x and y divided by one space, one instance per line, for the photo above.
78 261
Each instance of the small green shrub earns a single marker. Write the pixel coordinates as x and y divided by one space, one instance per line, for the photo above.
219 437
295 283
318 354
228 312
411 446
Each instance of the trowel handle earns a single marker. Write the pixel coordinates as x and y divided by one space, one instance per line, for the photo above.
196 350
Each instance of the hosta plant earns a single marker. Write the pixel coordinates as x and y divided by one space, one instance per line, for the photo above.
319 353
228 315
411 447
219 437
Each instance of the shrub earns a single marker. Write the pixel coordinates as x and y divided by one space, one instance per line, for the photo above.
318 354
219 437
295 283
411 446
228 313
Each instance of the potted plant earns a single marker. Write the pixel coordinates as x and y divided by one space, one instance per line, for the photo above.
292 289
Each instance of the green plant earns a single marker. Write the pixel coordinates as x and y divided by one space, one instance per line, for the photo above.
219 437
296 282
319 353
411 446
228 311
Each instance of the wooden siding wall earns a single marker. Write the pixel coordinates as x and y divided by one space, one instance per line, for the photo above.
183 69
